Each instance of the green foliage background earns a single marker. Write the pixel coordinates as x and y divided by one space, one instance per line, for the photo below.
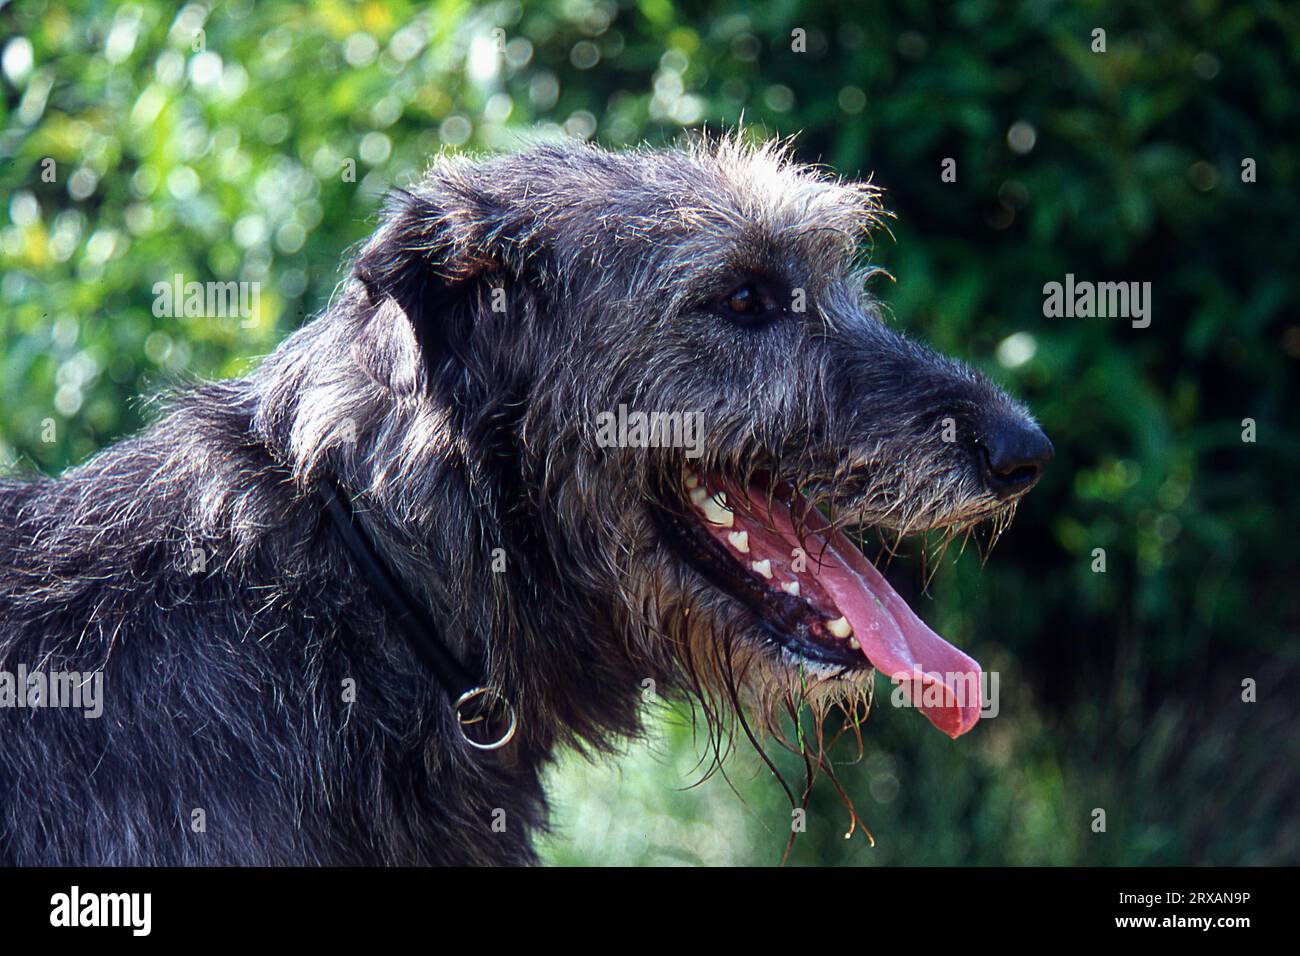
1120 691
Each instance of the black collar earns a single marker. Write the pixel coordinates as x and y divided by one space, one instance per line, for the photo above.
474 702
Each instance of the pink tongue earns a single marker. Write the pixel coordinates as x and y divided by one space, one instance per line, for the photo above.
941 681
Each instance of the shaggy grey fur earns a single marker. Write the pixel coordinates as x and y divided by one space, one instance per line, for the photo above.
451 391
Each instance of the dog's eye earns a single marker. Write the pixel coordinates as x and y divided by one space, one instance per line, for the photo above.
747 304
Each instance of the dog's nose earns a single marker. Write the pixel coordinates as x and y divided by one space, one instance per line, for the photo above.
1013 453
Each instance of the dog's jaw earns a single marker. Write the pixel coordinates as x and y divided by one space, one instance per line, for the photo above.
817 598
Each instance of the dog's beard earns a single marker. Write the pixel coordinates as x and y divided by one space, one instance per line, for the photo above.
743 693
744 680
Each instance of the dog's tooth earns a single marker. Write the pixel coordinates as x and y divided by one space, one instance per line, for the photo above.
740 541
853 643
791 587
698 494
716 511
721 517
763 567
840 627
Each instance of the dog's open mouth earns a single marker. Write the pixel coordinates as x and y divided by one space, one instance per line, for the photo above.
818 597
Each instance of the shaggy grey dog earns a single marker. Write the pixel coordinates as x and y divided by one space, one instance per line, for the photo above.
265 698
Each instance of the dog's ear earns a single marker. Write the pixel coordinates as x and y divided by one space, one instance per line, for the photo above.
387 349
436 257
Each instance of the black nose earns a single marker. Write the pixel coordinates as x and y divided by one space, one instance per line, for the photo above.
1013 453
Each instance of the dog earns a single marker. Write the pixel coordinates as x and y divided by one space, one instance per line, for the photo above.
346 609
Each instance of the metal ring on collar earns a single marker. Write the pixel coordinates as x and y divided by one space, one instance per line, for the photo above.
489 694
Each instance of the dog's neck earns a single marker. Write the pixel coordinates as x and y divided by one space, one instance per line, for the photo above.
444 497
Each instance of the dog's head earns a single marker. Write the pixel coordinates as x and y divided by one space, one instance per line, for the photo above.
661 368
